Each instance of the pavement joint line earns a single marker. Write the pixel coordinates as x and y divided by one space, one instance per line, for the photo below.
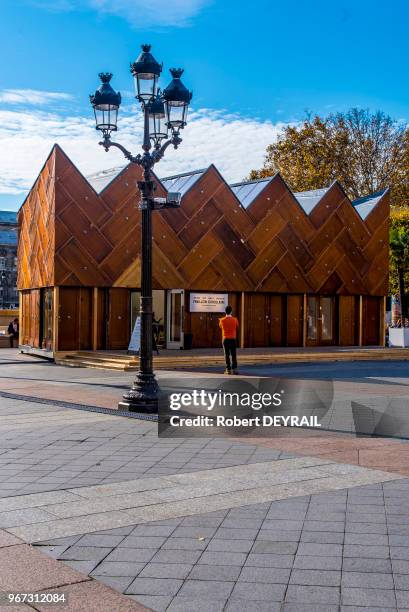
86 407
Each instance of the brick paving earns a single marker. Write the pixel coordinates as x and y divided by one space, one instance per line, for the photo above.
372 452
25 569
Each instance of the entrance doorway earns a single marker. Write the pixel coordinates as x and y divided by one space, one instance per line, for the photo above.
175 305
75 319
320 320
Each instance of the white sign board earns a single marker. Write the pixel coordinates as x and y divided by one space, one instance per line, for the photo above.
208 302
135 341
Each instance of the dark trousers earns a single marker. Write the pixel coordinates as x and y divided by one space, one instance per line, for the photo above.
12 338
229 347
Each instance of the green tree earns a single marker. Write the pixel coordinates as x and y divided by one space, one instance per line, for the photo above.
399 256
365 151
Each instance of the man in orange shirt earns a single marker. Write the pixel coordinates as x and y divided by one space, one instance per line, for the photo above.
229 326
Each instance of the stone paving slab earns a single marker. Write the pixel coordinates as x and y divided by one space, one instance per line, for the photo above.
25 569
211 490
94 597
50 449
280 572
302 542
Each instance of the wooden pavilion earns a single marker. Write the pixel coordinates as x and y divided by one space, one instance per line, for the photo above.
299 269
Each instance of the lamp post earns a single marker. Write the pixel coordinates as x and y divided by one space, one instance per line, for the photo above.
164 116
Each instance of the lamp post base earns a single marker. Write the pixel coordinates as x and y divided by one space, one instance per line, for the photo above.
143 395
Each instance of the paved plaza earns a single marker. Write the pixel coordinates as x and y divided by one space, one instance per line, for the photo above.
95 504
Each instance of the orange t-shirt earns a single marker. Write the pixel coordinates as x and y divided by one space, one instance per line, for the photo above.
229 326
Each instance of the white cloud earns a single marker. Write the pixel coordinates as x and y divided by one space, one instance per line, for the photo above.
235 144
31 96
139 13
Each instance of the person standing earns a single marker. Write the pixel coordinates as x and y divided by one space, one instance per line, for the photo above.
13 331
229 326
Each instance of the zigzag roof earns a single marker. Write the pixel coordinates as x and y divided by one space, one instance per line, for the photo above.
365 205
245 191
71 235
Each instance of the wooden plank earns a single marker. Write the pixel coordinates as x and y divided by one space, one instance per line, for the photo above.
118 319
79 226
360 321
56 299
277 320
370 320
378 214
268 199
85 268
204 189
296 246
199 257
95 319
234 277
265 262
200 224
328 232
294 320
328 204
232 242
347 321
233 213
266 230
167 241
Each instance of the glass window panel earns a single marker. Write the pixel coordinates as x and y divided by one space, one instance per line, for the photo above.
175 317
326 315
312 329
135 307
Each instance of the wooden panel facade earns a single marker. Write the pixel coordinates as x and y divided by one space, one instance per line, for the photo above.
71 236
272 250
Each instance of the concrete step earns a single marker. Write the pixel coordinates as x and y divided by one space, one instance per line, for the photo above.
90 363
103 359
113 361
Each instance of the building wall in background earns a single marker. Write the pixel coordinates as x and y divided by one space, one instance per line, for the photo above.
8 260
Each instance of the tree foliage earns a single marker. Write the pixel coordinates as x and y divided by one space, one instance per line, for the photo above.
365 151
399 256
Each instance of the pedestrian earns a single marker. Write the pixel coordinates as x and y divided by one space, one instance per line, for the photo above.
13 330
229 326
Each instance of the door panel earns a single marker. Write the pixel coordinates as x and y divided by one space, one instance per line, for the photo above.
276 320
294 320
198 326
75 319
347 320
85 319
370 320
102 319
68 319
118 319
258 320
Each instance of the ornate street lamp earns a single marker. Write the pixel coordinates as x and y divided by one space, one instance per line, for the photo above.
106 103
164 116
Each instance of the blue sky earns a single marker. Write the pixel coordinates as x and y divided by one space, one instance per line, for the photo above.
252 66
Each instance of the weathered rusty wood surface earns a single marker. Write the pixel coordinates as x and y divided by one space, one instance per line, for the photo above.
72 236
